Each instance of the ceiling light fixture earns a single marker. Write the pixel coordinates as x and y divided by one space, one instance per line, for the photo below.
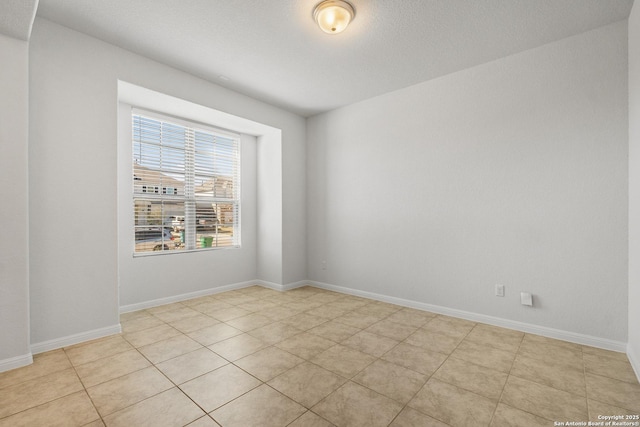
333 16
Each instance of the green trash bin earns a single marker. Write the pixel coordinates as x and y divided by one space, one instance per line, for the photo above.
206 242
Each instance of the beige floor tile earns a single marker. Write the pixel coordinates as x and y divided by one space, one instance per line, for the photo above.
411 418
614 392
415 358
191 365
507 416
165 307
167 409
108 368
358 320
411 317
307 383
213 334
433 341
256 305
305 345
483 355
121 392
356 406
302 304
540 340
598 409
475 378
389 329
334 331
304 321
177 314
151 335
38 391
379 309
309 419
43 364
325 297
249 322
211 306
196 301
218 387
552 351
275 332
96 423
604 353
97 349
169 348
450 326
609 367
348 303
563 377
366 342
268 363
194 323
261 407
278 313
327 311
236 299
393 381
453 405
73 410
237 347
544 401
342 360
140 324
205 421
228 313
501 338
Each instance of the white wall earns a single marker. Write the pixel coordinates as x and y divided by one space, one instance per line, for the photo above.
633 349
270 219
73 173
512 172
14 259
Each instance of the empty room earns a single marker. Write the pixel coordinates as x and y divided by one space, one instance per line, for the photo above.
316 213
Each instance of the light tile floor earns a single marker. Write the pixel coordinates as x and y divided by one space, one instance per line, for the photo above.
310 357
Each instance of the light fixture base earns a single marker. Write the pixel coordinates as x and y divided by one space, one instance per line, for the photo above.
333 16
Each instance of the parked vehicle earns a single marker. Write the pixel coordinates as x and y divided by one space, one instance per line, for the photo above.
154 239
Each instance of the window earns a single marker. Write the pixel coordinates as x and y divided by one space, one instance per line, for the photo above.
186 185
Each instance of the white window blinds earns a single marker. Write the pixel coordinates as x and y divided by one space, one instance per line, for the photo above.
186 185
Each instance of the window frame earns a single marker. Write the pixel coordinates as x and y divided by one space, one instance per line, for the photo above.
161 196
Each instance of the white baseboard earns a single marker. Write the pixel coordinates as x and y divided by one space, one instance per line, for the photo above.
573 337
634 359
211 291
187 296
54 344
281 288
295 285
16 362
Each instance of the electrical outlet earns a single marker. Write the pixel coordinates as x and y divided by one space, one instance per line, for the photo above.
324 265
499 290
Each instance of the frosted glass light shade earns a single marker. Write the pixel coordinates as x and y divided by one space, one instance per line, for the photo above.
333 16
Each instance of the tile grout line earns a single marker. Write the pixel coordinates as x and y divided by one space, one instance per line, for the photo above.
507 380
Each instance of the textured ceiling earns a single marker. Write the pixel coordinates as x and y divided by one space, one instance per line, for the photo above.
272 50
16 18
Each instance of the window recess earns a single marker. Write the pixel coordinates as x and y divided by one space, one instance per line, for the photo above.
186 185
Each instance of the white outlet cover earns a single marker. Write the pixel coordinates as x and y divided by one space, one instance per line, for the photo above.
526 299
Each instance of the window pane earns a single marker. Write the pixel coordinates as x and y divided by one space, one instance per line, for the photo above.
159 225
215 224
